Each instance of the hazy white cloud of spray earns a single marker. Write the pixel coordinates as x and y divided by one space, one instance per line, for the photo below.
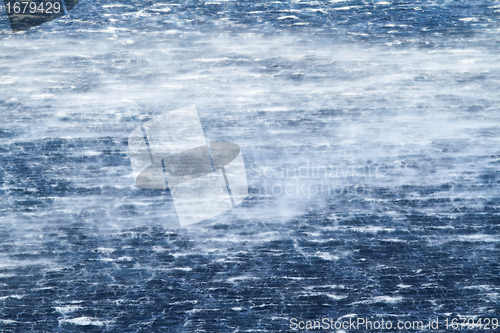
423 114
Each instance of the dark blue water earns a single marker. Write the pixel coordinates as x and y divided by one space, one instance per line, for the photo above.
370 133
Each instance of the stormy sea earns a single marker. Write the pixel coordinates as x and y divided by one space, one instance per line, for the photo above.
370 133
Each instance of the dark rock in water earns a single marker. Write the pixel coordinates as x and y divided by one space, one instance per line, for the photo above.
27 14
70 4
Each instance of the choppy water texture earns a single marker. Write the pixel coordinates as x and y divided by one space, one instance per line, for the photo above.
404 93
